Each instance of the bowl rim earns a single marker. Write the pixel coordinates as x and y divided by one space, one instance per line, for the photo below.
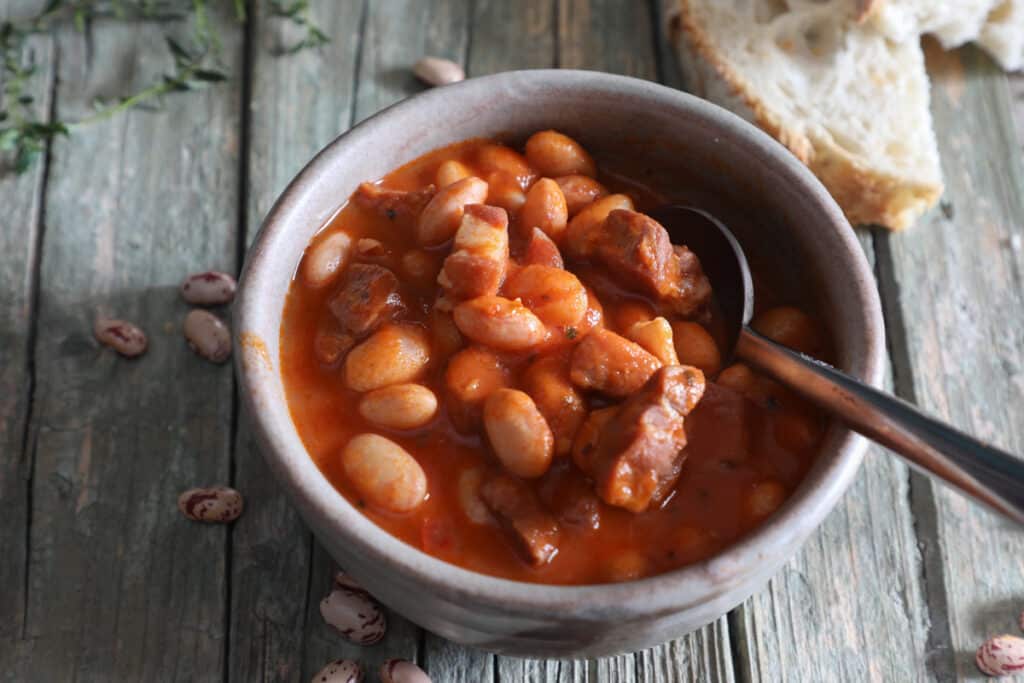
670 592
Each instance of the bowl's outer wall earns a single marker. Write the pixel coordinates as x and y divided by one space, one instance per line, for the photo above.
802 228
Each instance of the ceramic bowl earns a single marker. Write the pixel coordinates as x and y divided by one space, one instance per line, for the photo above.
704 154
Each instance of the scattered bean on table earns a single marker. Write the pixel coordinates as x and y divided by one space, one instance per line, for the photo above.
217 504
124 337
207 335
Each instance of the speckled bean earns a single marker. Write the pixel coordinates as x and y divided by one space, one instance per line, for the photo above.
325 260
208 336
354 615
122 336
209 289
217 504
437 71
384 473
402 671
400 406
340 671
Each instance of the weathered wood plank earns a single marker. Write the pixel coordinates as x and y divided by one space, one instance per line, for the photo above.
813 622
20 231
121 586
298 103
1017 93
957 321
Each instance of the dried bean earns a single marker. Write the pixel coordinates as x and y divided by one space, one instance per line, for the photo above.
1001 656
340 671
402 671
124 337
399 406
216 504
209 289
208 336
436 71
354 615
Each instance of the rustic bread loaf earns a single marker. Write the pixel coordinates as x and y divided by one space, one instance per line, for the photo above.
850 103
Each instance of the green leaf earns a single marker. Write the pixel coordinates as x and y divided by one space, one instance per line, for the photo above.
80 17
240 13
180 53
8 139
26 99
24 158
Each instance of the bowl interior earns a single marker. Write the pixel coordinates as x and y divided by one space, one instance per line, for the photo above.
693 151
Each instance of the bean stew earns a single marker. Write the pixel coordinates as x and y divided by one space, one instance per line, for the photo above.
501 360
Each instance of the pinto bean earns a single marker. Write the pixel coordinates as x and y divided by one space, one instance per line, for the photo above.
541 251
451 171
437 71
765 498
545 208
518 433
584 230
502 159
790 327
695 346
384 473
554 154
505 191
399 406
469 496
209 289
440 218
402 671
656 337
564 409
395 354
580 191
475 373
127 339
444 335
556 296
499 323
631 312
737 377
217 504
207 335
611 364
325 260
340 671
354 615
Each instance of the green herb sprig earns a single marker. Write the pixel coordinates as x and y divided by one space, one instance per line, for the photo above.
24 134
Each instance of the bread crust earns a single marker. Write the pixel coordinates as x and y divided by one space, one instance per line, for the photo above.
866 195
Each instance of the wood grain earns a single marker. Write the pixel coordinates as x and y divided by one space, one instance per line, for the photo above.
121 586
957 318
298 103
21 227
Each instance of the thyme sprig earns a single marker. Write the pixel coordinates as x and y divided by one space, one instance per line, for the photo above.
24 133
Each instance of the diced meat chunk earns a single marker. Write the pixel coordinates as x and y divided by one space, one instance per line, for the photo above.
542 251
367 298
517 507
640 450
693 290
611 364
720 427
478 262
585 444
571 499
394 204
637 249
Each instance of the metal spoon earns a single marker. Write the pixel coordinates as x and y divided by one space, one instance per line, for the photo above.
982 472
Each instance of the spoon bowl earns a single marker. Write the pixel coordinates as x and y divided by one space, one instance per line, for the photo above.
979 470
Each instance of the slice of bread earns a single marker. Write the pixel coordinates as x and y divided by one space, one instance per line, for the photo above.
851 104
1003 34
996 25
953 22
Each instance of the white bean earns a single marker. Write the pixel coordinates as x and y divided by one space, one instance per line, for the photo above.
122 336
208 336
340 671
384 473
402 671
209 289
354 615
399 406
326 259
518 433
499 323
395 354
440 218
436 71
217 504
469 496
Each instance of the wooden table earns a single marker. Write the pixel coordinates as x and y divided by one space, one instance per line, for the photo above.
102 579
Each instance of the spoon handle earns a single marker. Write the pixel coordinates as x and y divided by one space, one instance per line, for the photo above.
977 469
